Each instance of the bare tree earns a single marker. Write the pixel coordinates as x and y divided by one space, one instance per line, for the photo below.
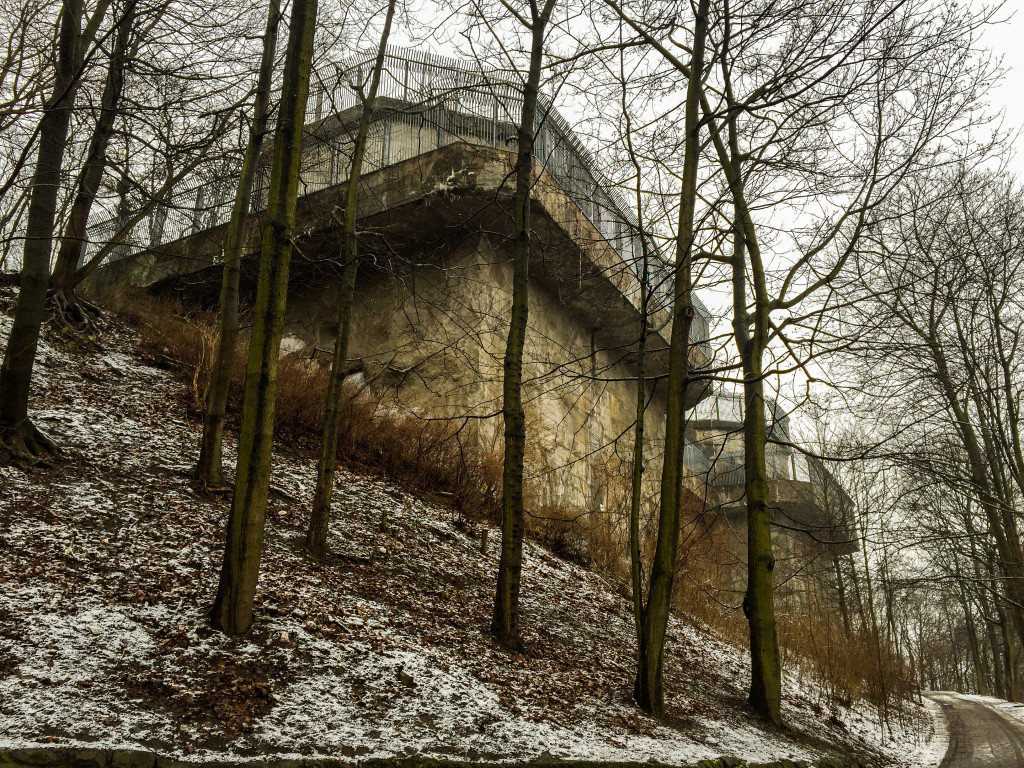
232 609
316 537
19 438
505 624
72 241
209 471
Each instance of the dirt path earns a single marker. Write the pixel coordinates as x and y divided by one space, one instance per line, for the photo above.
981 735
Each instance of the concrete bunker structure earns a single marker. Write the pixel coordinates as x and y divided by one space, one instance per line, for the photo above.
811 511
434 288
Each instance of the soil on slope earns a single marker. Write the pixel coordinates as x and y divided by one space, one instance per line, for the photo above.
110 562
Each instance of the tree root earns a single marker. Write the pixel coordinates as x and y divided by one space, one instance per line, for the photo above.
72 311
210 488
24 444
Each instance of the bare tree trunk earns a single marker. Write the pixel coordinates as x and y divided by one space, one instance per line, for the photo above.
505 624
857 594
1009 660
19 438
876 632
981 680
844 609
209 472
759 602
649 691
232 609
64 279
751 334
316 536
987 616
637 475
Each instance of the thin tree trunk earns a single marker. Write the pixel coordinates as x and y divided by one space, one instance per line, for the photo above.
63 281
209 472
233 607
1008 661
636 498
316 536
981 681
649 690
636 491
751 334
751 331
844 609
505 624
19 438
876 632
857 594
986 613
637 474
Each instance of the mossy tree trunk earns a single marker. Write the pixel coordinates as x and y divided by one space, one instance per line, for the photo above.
233 606
759 602
750 330
316 536
505 624
209 471
649 690
751 325
65 278
19 438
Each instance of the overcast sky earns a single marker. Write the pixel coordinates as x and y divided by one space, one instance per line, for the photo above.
1007 41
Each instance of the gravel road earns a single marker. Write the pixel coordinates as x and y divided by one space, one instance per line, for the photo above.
982 734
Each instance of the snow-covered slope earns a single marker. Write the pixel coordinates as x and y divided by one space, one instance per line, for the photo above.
109 563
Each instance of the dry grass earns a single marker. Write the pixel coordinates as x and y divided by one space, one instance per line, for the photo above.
433 457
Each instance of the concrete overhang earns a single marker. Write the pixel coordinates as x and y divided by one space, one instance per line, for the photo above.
796 505
419 205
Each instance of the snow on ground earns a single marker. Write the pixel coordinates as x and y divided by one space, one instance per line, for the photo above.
927 747
110 564
1008 708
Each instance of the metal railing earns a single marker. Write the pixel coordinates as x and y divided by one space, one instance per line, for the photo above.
728 469
697 459
429 102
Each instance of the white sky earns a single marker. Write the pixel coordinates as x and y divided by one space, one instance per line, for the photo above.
1007 41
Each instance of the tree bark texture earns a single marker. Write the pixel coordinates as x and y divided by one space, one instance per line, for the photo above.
649 691
65 278
316 536
19 438
505 624
759 602
233 607
209 472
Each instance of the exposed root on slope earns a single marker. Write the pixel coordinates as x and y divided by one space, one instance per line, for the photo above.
24 443
72 311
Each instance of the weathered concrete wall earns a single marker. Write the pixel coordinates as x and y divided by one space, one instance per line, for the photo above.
433 308
432 339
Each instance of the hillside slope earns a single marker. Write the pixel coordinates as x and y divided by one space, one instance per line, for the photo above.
110 562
